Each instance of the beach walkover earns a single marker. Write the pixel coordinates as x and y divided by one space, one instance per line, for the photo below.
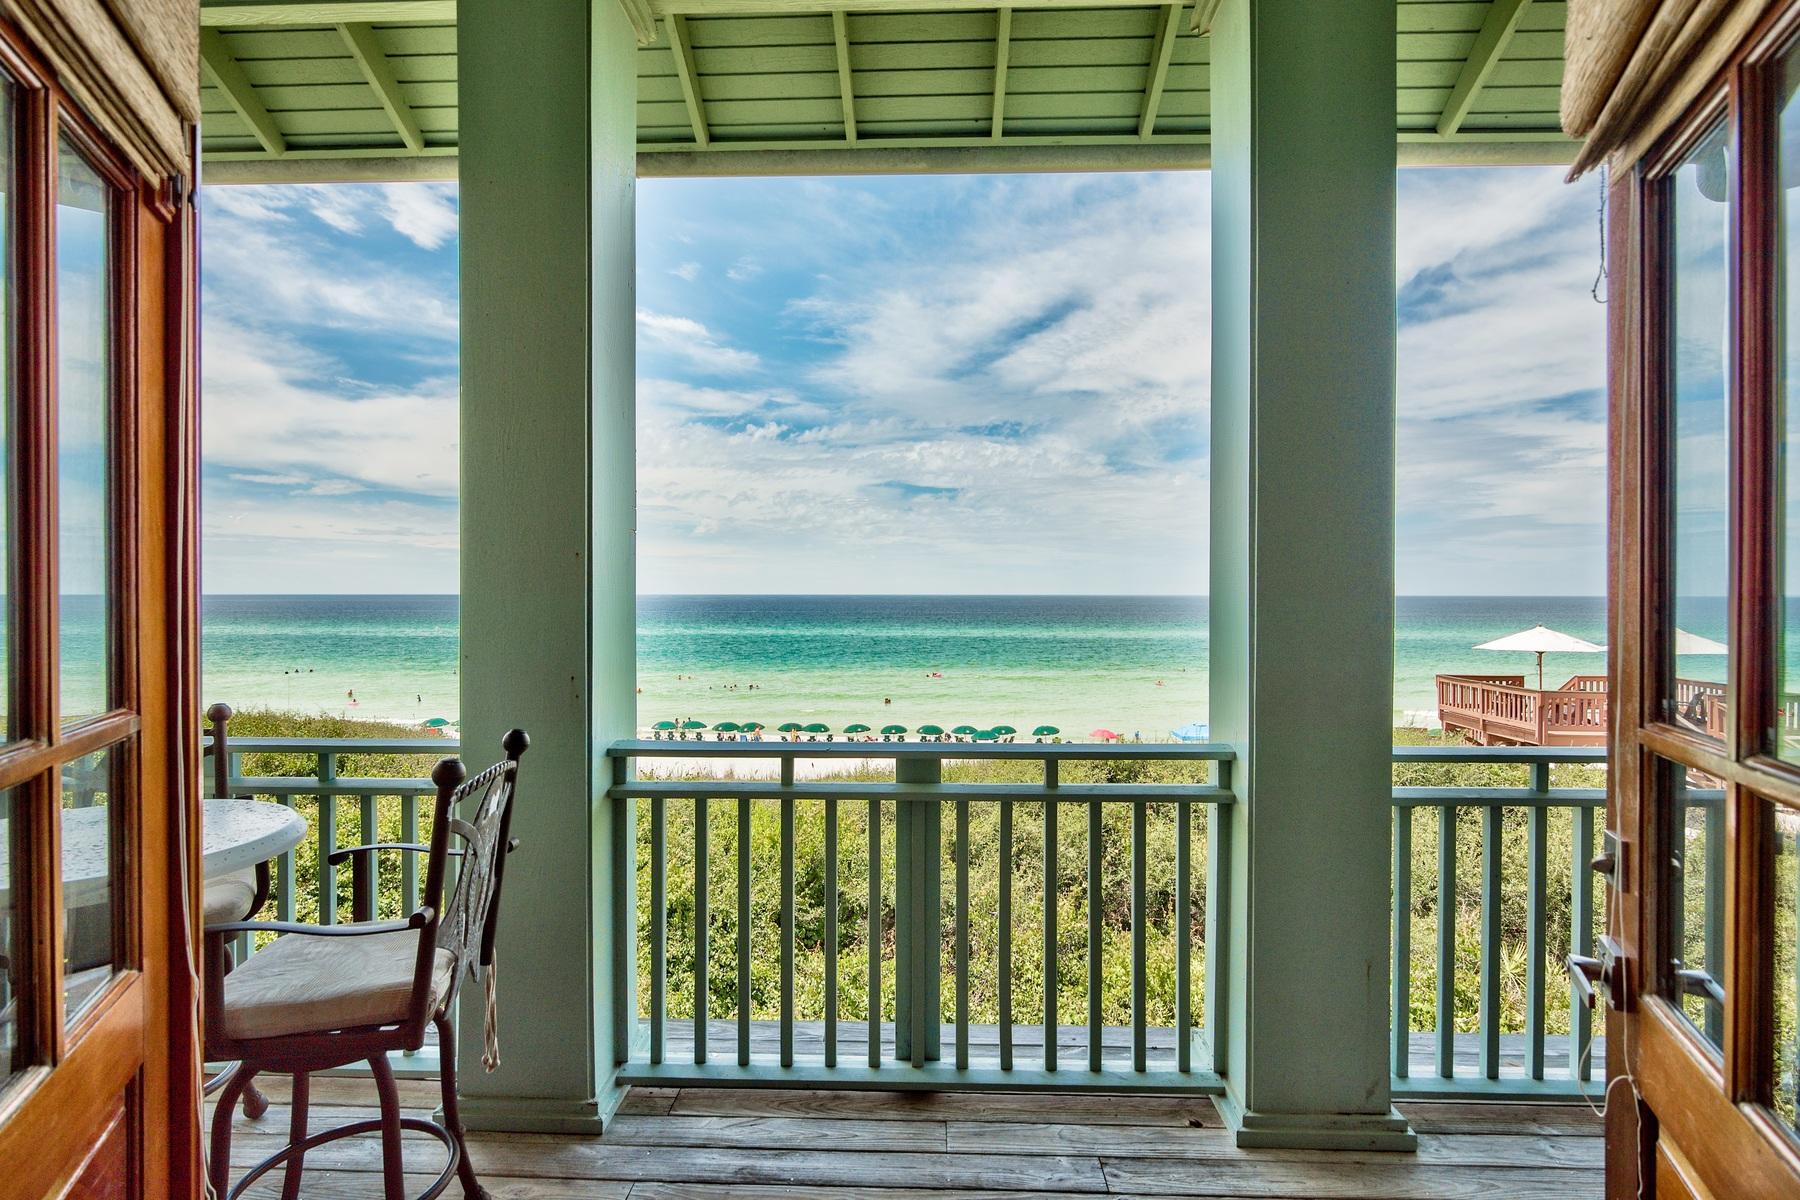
1499 710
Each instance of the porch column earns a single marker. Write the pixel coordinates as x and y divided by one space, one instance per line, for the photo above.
1302 590
547 167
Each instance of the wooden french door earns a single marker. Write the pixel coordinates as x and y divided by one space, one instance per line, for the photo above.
1704 845
98 1079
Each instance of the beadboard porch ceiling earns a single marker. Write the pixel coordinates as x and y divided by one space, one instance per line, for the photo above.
367 88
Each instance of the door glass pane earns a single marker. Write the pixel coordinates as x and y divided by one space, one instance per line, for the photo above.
1787 569
91 887
1694 888
83 375
1699 306
7 672
1785 978
12 991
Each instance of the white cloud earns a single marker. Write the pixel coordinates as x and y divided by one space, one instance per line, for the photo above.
687 339
688 271
425 214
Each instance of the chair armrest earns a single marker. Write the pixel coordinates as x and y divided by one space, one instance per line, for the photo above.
336 857
417 921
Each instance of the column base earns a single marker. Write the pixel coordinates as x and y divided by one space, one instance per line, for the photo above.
1256 1130
540 1114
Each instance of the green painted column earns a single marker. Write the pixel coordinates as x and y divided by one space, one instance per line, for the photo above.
1302 589
547 173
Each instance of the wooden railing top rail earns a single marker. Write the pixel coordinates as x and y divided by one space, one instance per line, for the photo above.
1029 751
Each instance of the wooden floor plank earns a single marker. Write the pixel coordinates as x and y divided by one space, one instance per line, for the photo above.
1454 1116
1401 1179
942 1106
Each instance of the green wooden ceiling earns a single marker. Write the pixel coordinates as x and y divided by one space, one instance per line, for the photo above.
367 88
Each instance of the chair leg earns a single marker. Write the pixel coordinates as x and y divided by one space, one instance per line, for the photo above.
393 1164
290 1175
465 1169
218 1167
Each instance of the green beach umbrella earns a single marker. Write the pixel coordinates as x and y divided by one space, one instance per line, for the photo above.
663 725
693 724
932 730
789 727
893 729
436 723
727 727
965 730
1045 731
1003 730
859 727
751 726
987 735
815 727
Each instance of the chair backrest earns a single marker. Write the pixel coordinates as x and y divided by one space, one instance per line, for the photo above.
466 925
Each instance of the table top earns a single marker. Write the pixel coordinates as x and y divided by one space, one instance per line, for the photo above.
235 835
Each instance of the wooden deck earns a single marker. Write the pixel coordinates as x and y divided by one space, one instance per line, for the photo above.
694 1143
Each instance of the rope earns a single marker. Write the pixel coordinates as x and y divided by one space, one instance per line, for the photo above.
490 1034
1598 291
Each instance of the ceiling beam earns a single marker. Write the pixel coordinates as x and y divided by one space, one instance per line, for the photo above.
643 20
690 80
375 67
840 33
1002 53
246 14
1496 31
1204 12
229 78
1159 68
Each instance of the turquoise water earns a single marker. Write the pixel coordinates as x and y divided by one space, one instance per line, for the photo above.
1130 664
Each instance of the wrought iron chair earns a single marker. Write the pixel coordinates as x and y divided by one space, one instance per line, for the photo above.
238 896
320 997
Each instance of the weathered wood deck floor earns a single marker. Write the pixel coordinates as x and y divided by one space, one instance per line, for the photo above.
695 1143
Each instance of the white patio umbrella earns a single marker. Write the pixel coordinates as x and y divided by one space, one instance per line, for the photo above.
1540 641
1693 643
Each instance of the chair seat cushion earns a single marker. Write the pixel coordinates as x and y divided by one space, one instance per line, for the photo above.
228 897
302 983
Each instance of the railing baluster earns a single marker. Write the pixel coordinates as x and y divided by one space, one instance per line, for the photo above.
702 928
1492 825
659 933
1184 939
787 930
365 868
743 933
284 878
1401 1003
409 863
962 935
1536 870
1218 897
1581 936
1713 929
875 938
1005 934
1140 984
1095 908
1446 943
831 931
1051 883
327 839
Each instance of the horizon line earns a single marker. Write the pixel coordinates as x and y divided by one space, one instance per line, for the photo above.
910 595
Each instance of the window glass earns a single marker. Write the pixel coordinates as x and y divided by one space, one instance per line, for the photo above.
1787 570
1699 311
1785 978
83 379
1694 887
91 887
7 672
13 993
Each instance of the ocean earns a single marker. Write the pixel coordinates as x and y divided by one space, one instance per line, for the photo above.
1131 664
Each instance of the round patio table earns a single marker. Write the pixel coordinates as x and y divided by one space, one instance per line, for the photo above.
235 836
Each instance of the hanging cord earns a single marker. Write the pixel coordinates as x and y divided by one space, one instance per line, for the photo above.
490 1034
1598 291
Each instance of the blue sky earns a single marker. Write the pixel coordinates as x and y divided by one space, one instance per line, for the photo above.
925 384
